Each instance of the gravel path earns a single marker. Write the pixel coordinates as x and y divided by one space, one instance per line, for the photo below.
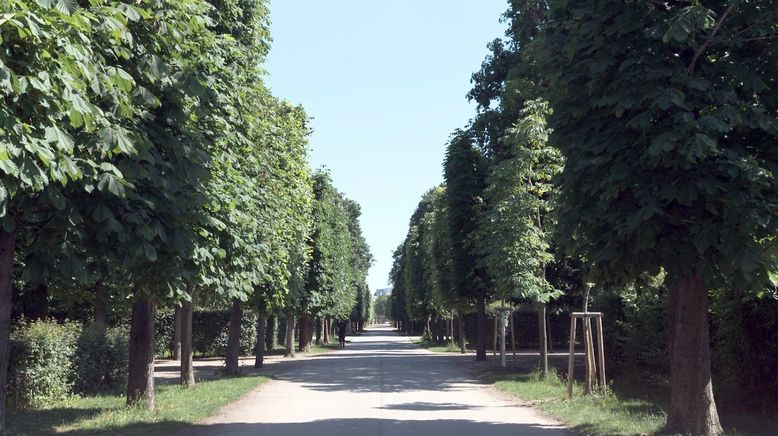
381 385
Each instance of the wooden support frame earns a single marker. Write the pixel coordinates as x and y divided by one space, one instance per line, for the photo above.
592 370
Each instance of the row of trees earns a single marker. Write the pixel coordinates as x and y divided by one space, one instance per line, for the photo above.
144 162
633 140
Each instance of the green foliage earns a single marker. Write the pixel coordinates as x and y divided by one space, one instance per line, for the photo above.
340 256
516 228
465 169
668 128
41 369
101 359
66 97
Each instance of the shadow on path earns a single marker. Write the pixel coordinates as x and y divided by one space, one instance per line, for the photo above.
383 427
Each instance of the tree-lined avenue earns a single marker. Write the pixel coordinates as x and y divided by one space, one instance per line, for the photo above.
381 384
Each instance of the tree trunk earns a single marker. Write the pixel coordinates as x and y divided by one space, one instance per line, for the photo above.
461 327
176 351
318 331
542 340
259 361
289 335
7 246
306 333
100 317
271 330
140 375
480 328
232 364
326 330
692 407
187 367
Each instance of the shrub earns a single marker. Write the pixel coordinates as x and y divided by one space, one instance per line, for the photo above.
210 329
41 366
101 359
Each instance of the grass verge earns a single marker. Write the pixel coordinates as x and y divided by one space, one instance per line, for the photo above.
176 408
442 348
624 412
601 414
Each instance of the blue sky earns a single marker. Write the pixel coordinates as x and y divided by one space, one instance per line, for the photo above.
385 84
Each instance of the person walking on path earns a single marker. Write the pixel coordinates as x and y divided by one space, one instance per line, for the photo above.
342 325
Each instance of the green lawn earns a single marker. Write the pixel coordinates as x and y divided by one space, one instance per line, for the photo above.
176 407
599 414
625 412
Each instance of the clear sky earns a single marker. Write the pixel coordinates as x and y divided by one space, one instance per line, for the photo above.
385 82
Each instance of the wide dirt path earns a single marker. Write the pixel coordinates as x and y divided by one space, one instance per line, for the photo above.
381 384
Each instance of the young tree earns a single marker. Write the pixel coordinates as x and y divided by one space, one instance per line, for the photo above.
516 228
666 119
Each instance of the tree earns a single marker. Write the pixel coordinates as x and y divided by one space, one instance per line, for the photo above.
664 115
516 229
464 173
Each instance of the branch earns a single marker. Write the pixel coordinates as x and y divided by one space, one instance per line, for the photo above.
704 46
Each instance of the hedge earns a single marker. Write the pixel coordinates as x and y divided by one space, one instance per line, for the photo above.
41 365
52 360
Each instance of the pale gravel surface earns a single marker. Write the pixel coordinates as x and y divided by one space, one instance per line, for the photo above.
381 384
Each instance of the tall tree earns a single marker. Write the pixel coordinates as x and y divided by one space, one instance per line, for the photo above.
666 117
516 228
465 181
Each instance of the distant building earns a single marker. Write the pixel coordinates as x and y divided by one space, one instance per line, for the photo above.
380 292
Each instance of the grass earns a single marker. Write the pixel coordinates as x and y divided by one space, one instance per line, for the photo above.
623 410
176 408
444 348
600 414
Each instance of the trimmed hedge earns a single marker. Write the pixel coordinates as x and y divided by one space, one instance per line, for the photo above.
41 365
210 329
102 359
51 361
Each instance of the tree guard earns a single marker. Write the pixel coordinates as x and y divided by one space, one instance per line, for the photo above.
592 369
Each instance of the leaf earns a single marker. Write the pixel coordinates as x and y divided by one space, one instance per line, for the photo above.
57 136
150 252
131 12
67 7
121 79
9 167
116 139
5 17
109 182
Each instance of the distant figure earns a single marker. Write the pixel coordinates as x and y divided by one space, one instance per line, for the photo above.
342 326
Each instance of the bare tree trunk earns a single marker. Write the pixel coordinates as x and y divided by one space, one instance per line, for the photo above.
140 375
187 367
100 317
480 321
232 364
289 335
326 330
271 330
7 247
176 351
305 334
543 340
259 361
461 326
318 330
692 407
